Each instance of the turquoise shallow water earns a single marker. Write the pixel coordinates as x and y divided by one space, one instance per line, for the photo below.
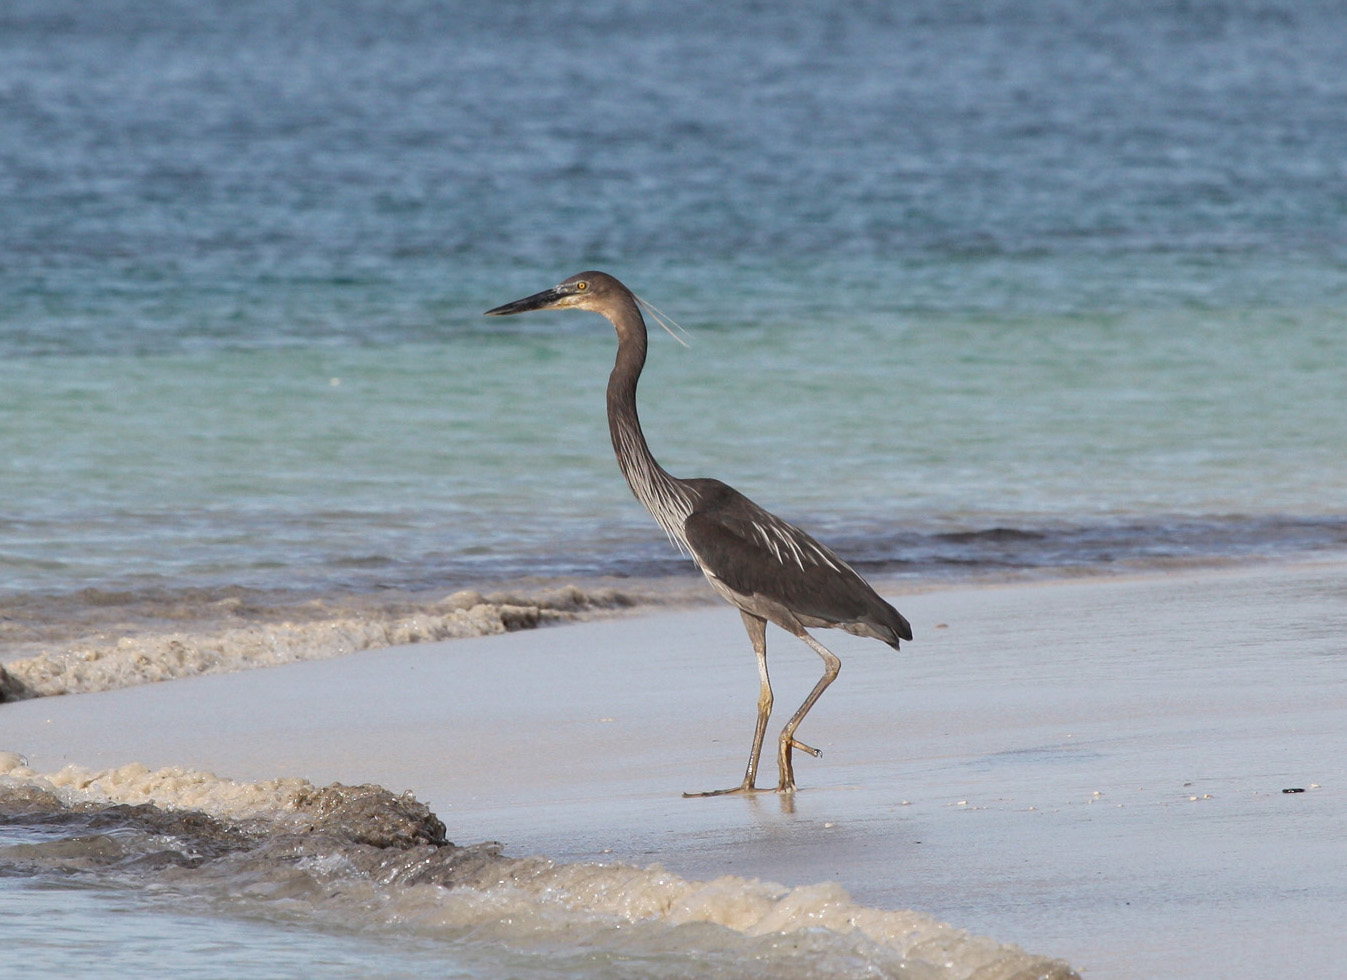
905 438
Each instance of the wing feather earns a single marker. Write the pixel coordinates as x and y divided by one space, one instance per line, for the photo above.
756 553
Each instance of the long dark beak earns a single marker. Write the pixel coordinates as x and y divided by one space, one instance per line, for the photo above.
538 301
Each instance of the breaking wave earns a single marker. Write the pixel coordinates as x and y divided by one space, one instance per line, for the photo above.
229 634
361 857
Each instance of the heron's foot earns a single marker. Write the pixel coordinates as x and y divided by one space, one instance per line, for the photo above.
746 788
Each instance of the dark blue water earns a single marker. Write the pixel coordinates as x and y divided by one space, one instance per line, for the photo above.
178 174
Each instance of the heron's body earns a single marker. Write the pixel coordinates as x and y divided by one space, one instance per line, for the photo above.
770 569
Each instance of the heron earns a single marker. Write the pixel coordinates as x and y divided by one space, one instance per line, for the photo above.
769 569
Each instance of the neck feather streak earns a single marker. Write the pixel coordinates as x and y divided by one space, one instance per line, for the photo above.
668 501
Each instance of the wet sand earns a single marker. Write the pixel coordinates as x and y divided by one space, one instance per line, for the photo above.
1091 769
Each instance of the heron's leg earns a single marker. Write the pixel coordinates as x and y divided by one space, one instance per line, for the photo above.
831 666
757 632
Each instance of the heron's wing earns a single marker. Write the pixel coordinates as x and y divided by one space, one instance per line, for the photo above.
754 552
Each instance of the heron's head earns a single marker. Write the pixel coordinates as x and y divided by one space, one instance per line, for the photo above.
586 291
601 293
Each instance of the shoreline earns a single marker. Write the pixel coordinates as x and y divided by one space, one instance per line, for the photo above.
125 640
1090 768
96 640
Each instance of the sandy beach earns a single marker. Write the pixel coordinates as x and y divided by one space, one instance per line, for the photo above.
1092 769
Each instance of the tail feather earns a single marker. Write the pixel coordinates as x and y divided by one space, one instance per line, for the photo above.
898 628
884 623
901 627
891 622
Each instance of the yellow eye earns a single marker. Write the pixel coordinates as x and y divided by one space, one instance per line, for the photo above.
581 286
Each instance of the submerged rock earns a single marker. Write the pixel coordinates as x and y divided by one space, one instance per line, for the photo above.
371 815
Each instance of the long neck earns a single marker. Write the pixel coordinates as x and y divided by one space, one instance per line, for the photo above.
668 501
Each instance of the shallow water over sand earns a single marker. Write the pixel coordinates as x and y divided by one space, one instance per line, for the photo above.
357 859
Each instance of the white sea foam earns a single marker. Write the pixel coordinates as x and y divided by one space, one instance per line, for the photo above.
215 641
170 788
303 860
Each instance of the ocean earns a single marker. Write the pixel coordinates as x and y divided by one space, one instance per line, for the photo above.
972 289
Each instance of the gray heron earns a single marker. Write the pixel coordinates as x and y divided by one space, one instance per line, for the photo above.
766 567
